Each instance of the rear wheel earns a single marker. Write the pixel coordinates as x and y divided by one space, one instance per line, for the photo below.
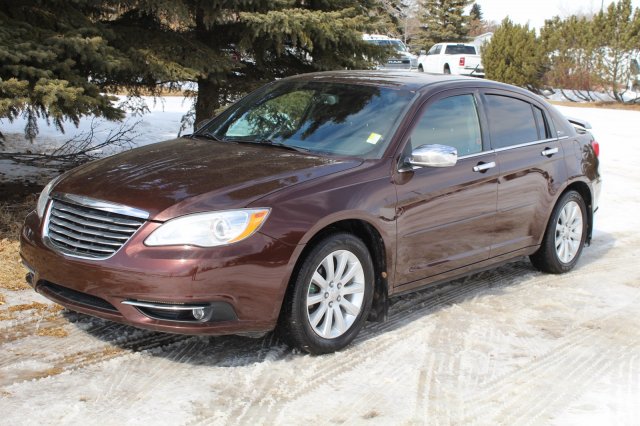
331 297
447 70
564 237
420 68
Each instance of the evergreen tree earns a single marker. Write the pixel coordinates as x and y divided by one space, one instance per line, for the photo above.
402 17
53 63
570 45
230 47
444 20
514 56
476 12
57 57
477 24
618 36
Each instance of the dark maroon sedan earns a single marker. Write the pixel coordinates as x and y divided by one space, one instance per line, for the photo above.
310 202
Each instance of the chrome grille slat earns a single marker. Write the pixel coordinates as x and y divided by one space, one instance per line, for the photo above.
82 238
83 222
57 237
86 213
86 231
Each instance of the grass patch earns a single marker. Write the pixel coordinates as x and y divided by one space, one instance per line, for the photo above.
12 214
36 306
12 273
53 332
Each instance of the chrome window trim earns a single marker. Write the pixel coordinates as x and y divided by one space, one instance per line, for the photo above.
521 145
102 205
507 148
477 154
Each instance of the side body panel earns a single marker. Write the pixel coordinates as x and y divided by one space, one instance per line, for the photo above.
532 174
445 216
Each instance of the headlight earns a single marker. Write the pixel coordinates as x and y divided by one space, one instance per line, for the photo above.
209 229
44 197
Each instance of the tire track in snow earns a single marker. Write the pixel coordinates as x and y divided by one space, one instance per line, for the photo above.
535 382
62 354
405 311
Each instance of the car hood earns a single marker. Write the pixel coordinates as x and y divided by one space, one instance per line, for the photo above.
405 54
185 175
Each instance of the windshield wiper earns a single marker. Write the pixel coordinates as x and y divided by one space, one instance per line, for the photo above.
269 142
209 136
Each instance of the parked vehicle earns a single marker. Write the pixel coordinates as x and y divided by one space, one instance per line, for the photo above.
309 203
452 58
403 58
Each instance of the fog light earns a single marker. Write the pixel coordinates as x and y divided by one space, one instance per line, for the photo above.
202 314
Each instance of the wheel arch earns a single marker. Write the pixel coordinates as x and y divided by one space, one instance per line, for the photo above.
374 242
585 192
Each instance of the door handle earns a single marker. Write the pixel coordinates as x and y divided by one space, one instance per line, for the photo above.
548 152
483 167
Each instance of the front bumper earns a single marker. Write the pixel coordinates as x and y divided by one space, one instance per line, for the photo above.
471 72
396 64
244 283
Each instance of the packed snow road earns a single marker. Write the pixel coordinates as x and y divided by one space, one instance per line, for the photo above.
507 346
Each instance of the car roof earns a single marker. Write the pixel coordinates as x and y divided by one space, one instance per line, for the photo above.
407 80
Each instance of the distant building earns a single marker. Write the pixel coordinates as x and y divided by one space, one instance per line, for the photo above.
481 40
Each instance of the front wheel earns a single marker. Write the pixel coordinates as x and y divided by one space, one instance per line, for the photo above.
565 236
331 295
420 68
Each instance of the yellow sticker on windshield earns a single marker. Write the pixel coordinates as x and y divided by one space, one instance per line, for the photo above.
374 138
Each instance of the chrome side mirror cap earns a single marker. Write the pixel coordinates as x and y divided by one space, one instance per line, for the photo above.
433 156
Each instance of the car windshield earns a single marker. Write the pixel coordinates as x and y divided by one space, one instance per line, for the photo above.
398 45
394 44
324 118
460 49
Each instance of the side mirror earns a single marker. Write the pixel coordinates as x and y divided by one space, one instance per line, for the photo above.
433 156
423 52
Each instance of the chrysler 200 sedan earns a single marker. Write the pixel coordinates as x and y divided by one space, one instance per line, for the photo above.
306 205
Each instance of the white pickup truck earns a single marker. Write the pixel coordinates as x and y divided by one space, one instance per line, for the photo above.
451 58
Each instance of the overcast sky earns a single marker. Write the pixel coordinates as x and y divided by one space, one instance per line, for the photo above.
535 12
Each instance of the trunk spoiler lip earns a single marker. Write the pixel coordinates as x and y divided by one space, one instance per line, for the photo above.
579 122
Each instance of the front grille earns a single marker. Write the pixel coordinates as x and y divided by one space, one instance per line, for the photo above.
75 296
83 231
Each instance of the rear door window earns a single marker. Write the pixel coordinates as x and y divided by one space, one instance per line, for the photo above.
511 121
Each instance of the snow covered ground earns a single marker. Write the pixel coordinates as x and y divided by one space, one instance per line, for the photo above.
508 346
161 123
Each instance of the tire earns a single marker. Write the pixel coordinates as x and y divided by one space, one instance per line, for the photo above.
323 315
447 70
420 68
562 246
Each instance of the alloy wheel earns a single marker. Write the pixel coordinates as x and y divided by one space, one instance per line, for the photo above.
569 230
336 294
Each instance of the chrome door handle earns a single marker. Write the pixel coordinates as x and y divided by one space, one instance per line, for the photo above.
483 167
548 152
